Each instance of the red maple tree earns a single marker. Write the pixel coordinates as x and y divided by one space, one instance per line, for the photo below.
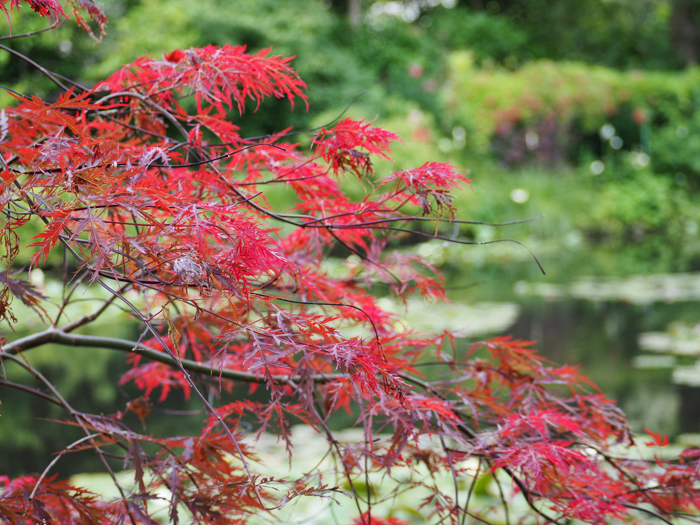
160 200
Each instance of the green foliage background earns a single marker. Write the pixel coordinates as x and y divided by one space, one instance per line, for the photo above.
464 84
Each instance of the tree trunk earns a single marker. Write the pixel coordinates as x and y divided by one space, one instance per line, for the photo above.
685 31
355 12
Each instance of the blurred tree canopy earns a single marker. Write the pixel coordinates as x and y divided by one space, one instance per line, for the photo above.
399 53
650 34
616 33
345 47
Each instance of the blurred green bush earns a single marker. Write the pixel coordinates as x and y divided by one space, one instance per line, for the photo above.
607 154
563 111
605 150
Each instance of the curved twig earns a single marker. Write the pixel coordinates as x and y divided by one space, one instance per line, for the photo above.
58 336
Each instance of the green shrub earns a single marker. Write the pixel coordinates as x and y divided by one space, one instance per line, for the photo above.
563 107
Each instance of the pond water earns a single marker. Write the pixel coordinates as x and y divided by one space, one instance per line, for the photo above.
621 313
627 315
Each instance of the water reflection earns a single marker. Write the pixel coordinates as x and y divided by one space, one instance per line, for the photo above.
596 308
636 289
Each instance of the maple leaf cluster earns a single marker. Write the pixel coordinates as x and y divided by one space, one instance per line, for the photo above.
151 189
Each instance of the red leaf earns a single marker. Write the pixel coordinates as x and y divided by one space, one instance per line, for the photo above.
657 439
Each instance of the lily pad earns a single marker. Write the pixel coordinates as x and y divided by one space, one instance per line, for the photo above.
687 375
638 289
679 340
467 320
653 362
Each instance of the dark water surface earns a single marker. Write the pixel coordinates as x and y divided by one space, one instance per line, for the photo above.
590 310
593 323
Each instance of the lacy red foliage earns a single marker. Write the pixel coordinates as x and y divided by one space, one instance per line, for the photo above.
217 77
349 145
165 210
47 8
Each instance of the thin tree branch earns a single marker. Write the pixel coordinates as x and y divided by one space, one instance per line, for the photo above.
58 336
38 66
